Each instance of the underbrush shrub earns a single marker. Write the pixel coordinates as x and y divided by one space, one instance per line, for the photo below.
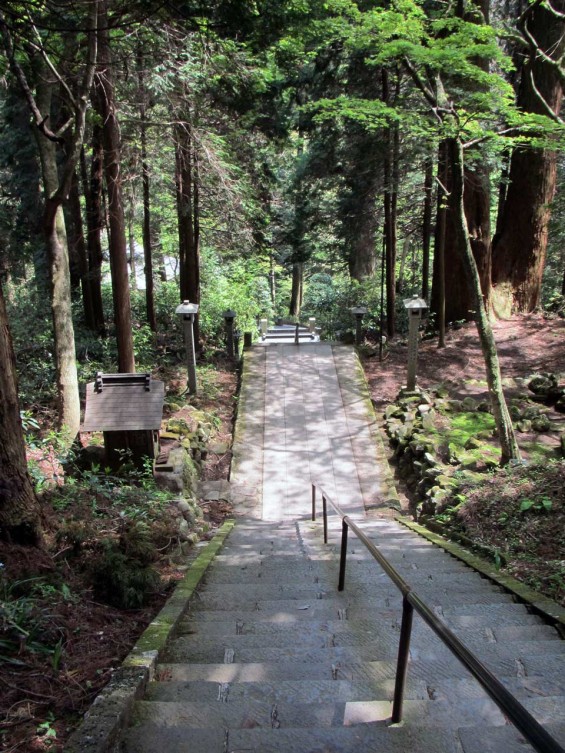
121 580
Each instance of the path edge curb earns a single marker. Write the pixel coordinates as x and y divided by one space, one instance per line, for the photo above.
542 605
111 709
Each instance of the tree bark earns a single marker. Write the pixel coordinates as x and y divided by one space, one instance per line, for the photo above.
92 189
503 422
19 507
427 226
296 292
147 251
59 277
79 245
519 248
459 298
106 104
188 217
390 200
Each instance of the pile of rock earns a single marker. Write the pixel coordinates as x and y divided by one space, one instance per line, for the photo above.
426 463
178 469
547 390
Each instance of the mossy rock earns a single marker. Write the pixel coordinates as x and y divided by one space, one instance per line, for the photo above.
179 426
541 423
532 411
515 412
472 443
468 404
190 474
524 426
542 384
393 411
560 405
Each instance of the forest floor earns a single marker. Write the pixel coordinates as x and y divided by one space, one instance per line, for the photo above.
517 513
59 641
76 641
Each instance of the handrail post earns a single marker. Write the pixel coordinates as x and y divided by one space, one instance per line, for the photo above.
343 556
402 663
313 502
325 514
296 335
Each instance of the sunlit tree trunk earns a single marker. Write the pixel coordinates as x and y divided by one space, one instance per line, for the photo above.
503 422
59 275
427 227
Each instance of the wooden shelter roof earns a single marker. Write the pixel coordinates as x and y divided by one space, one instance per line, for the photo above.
123 402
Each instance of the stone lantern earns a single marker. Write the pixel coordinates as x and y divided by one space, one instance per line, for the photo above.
229 317
187 311
359 312
416 308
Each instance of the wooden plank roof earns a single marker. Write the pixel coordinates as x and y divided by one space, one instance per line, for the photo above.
123 403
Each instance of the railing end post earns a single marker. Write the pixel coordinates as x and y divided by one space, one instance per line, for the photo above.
313 502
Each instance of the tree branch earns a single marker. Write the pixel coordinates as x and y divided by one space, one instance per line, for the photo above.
17 70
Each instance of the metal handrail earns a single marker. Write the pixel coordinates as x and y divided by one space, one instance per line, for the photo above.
536 735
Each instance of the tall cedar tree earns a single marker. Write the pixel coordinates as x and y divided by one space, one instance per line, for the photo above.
519 247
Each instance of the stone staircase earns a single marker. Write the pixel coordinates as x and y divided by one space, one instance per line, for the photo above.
286 333
271 657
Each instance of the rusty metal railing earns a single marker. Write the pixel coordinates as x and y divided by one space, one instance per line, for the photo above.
532 730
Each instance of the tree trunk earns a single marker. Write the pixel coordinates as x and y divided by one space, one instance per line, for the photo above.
296 292
19 507
427 226
92 189
79 246
131 244
459 298
60 282
503 422
188 217
118 245
147 253
390 220
438 287
519 248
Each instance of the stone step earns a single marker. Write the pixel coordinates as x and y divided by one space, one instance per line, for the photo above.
325 665
460 616
351 630
503 739
266 714
257 600
505 657
372 738
381 637
170 685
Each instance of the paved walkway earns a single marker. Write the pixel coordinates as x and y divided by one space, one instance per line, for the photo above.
305 415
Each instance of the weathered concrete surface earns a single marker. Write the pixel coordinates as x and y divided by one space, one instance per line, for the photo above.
292 664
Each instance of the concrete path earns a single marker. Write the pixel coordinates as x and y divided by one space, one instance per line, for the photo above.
307 417
271 658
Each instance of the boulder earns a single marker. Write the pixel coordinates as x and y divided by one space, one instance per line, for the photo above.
541 423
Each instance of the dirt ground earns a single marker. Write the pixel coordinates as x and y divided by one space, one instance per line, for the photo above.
526 345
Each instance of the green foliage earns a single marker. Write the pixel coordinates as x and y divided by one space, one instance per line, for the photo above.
121 574
26 623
